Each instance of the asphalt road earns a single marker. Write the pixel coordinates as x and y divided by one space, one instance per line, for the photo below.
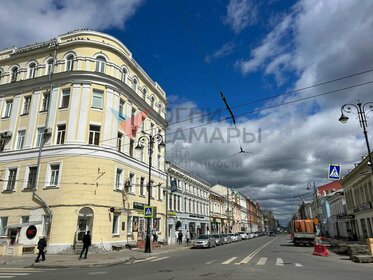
260 258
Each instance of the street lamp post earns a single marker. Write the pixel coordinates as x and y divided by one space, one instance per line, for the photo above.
151 139
360 112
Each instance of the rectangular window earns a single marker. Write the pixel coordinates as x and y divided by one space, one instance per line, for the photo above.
142 186
121 109
159 193
39 136
118 179
8 108
133 113
120 142
65 98
129 224
26 105
97 99
94 135
131 187
55 172
45 103
170 202
21 139
11 179
25 219
132 142
61 131
3 224
2 144
115 229
31 182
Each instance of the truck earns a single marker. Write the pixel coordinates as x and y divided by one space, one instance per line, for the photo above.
303 232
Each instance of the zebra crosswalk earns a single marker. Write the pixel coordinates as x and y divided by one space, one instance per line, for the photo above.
259 262
150 259
9 272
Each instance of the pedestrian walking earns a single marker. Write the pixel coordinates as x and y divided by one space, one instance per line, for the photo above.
87 241
180 237
42 244
155 237
187 236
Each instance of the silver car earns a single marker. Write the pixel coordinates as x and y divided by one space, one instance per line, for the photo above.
219 239
204 241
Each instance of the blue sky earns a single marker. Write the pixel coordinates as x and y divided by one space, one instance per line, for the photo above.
255 49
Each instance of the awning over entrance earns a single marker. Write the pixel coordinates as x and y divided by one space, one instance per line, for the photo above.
21 225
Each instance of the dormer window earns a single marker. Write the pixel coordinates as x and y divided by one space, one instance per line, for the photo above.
31 73
70 63
100 64
14 74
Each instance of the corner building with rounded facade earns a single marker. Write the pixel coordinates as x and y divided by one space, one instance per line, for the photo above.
86 98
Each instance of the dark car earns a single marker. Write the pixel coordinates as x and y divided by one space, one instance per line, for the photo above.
272 233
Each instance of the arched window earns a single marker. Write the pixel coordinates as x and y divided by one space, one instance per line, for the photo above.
134 83
124 74
49 66
144 92
14 74
152 100
100 64
31 73
160 108
70 63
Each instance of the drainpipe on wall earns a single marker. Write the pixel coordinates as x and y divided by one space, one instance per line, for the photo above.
41 200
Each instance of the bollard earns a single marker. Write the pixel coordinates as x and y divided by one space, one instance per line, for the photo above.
320 250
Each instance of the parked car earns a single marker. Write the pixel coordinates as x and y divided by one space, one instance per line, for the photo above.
219 239
233 237
243 235
204 241
227 238
272 233
251 235
238 236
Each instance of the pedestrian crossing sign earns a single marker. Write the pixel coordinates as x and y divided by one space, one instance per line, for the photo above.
334 172
149 212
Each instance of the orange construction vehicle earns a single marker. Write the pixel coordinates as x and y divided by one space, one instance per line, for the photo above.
303 232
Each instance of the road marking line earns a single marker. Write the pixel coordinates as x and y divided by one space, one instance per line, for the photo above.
262 261
97 272
13 273
229 260
256 251
159 259
279 262
210 262
143 260
298 265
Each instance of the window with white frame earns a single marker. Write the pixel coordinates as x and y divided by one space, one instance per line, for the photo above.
142 186
120 142
115 229
14 74
39 136
152 100
131 148
144 92
3 224
49 66
159 193
94 135
100 64
45 102
8 108
129 224
54 174
12 177
32 177
121 109
31 73
97 99
134 84
119 179
26 105
25 219
65 98
70 63
132 183
61 131
20 139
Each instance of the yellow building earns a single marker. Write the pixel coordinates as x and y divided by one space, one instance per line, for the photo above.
85 101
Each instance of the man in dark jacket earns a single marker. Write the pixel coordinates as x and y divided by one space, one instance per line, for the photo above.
86 244
41 247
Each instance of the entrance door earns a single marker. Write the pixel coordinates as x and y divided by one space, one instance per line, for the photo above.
85 222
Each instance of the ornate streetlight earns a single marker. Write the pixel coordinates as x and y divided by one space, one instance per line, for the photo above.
360 113
151 139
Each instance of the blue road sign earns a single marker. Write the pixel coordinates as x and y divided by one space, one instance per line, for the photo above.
334 172
148 212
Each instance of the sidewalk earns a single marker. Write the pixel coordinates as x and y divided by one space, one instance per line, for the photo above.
93 260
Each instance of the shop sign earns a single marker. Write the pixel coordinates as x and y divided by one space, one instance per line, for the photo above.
138 206
31 232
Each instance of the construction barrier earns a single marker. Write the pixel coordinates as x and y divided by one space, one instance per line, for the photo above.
290 237
320 250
